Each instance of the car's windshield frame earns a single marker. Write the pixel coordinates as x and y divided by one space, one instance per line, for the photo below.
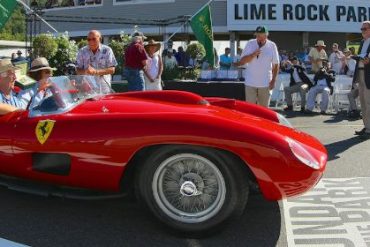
83 87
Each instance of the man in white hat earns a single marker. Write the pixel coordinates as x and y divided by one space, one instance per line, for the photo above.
317 55
7 80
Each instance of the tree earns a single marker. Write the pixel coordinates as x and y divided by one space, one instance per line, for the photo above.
66 52
15 28
81 43
196 51
58 50
45 45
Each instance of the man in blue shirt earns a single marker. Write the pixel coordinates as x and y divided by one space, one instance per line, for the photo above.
225 60
7 79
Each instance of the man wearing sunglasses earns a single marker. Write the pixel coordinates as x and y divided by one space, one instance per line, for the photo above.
362 77
97 59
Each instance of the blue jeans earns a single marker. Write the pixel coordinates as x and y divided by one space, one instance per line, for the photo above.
135 79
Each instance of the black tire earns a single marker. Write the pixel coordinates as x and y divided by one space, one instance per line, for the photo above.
235 183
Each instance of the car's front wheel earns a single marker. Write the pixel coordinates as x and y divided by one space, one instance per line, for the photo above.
193 189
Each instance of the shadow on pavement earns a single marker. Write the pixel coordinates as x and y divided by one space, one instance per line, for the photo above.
42 221
336 148
337 118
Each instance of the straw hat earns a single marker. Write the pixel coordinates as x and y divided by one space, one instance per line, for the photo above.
151 43
6 64
320 43
40 63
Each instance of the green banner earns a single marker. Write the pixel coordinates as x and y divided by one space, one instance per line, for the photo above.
6 9
201 23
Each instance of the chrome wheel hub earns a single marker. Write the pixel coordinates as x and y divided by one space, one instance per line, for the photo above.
189 188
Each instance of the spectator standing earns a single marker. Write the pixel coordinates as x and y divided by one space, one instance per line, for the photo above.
226 60
7 80
97 60
336 59
154 70
170 60
13 57
182 57
262 58
299 83
349 63
362 77
237 59
353 112
19 57
317 55
238 55
135 63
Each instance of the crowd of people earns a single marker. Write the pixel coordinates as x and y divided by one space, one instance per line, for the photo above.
325 69
260 58
340 61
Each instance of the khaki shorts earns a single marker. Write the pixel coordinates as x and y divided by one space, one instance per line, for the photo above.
258 95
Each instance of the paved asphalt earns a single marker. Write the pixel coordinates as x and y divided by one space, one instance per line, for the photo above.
41 221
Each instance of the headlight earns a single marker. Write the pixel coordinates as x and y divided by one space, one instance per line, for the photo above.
301 153
284 121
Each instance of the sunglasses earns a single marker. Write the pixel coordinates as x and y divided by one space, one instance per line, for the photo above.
92 39
47 72
364 29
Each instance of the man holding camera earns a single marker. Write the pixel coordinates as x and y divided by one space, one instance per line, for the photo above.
322 84
362 77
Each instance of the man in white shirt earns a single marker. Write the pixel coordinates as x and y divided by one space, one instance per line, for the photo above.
262 58
336 59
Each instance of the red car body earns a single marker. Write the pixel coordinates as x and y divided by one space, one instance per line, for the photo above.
103 134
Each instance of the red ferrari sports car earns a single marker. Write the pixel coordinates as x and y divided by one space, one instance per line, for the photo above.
191 160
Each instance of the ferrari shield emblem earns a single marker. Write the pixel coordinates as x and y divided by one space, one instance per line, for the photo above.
44 129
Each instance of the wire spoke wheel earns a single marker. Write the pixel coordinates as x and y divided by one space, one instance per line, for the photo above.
189 188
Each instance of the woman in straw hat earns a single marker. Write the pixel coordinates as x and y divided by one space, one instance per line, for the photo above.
154 67
41 72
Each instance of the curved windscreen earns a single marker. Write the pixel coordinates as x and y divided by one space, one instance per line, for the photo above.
66 92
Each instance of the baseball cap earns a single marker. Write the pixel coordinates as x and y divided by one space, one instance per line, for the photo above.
261 29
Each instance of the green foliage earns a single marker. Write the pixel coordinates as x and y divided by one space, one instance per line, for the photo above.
170 74
81 43
191 74
58 50
45 45
118 47
196 51
66 52
15 28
